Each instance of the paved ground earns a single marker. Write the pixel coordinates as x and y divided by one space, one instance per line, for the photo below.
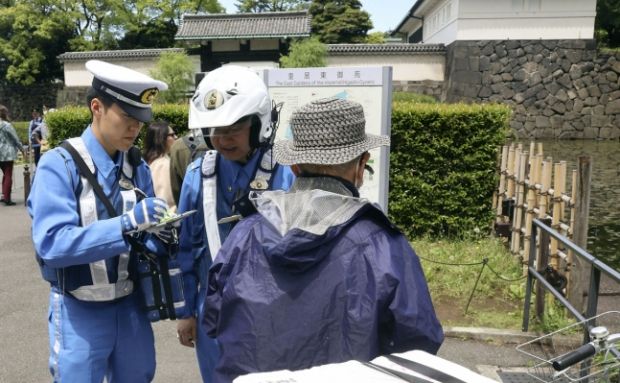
23 319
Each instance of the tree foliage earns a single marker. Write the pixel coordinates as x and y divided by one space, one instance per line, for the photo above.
376 38
340 21
175 69
34 32
608 22
257 6
305 53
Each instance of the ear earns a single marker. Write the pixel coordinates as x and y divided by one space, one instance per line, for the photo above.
96 107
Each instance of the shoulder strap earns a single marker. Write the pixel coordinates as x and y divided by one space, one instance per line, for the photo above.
85 171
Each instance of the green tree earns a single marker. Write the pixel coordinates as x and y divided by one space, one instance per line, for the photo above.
257 6
175 69
340 21
608 22
32 35
376 38
305 53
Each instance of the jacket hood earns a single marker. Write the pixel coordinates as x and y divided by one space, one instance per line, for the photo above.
315 212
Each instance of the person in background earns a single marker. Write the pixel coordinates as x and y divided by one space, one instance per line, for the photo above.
320 275
9 145
157 142
35 143
98 328
232 108
184 151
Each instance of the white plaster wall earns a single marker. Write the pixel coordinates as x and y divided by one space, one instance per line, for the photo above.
77 75
530 29
526 19
509 19
404 68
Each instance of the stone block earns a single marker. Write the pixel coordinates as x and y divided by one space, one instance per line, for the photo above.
598 110
578 105
590 132
575 71
485 92
587 80
613 107
497 79
556 121
594 91
565 81
569 105
542 94
467 77
487 78
500 50
552 87
605 89
611 76
616 67
484 63
561 95
535 78
520 75
586 110
542 122
461 64
583 93
591 101
518 98
573 56
571 94
599 120
507 77
507 93
559 107
495 68
614 95
548 112
551 99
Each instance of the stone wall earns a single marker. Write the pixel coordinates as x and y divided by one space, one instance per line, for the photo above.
427 87
22 100
557 88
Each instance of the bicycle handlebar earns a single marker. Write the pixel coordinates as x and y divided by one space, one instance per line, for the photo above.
573 357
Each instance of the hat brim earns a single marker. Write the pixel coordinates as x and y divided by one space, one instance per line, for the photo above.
286 153
140 114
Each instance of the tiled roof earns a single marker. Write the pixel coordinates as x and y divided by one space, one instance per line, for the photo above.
388 49
119 54
244 26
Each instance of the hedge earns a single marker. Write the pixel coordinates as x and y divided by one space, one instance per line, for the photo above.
442 161
70 121
442 166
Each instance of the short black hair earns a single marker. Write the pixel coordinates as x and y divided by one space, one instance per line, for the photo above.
92 93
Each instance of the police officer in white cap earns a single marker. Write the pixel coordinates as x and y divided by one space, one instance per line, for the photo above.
97 326
232 108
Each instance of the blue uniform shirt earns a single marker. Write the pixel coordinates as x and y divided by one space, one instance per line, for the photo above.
58 238
233 180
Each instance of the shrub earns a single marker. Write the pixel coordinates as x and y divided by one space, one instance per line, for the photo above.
70 121
21 128
442 166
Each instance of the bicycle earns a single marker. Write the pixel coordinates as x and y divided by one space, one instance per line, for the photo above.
562 356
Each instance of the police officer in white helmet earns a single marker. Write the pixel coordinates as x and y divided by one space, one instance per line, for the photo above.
98 328
233 109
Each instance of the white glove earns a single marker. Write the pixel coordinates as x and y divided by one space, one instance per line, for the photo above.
146 214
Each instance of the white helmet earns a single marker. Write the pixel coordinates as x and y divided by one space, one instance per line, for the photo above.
227 94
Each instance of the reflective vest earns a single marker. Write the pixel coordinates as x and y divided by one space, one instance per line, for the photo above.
107 279
261 181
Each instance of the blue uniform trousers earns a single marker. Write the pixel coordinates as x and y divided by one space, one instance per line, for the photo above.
206 348
93 340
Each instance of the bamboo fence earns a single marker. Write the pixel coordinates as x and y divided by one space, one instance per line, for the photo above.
532 186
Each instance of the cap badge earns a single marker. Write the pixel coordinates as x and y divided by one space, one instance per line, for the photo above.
213 99
149 95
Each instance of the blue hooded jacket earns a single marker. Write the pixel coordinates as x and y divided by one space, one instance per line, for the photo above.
317 277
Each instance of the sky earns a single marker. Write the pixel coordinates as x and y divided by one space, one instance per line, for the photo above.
385 14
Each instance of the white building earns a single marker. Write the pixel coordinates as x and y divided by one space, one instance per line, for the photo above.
445 21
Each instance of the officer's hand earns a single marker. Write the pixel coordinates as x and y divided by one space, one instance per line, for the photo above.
186 331
144 215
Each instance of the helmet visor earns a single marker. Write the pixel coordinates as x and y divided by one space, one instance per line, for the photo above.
226 130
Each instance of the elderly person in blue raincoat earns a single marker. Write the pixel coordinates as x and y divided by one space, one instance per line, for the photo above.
320 275
232 108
